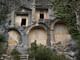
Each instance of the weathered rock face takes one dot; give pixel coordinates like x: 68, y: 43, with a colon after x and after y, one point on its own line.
x: 29, y: 22
x: 69, y: 50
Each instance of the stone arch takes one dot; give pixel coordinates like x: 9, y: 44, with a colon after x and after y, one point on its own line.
x: 60, y: 32
x: 39, y: 33
x: 14, y: 38
x: 53, y: 23
x: 10, y: 29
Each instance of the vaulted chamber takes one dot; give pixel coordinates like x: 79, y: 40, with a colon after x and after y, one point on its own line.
x: 39, y: 35
x: 13, y: 39
x: 61, y: 33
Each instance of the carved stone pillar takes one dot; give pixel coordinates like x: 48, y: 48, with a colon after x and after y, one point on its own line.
x: 13, y: 19
x: 33, y: 10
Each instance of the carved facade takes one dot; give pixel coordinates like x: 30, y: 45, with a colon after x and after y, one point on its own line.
x: 35, y: 21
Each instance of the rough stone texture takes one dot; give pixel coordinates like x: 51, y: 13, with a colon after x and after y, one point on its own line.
x: 47, y: 24
x: 23, y: 30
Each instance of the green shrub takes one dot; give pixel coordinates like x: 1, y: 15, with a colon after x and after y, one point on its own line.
x: 43, y: 53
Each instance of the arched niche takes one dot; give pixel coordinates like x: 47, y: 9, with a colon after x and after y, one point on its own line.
x: 61, y: 33
x: 13, y: 39
x: 39, y: 35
